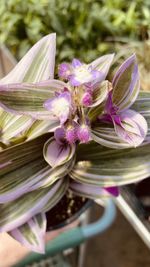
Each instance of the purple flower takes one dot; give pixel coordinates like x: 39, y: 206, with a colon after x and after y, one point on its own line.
x: 60, y: 106
x: 78, y: 73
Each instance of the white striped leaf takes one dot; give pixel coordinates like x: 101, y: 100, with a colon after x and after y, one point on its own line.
x: 126, y: 84
x: 36, y: 65
x: 27, y: 98
x: 100, y: 166
x: 57, y: 154
x: 16, y: 213
x: 23, y: 169
x: 40, y: 127
x: 32, y: 233
x: 88, y: 191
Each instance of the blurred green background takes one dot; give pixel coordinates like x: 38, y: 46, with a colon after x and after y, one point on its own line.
x: 85, y: 29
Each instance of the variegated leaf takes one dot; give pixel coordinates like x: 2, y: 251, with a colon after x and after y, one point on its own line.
x: 105, y: 167
x: 23, y: 169
x: 40, y: 127
x: 32, y: 233
x: 36, y: 65
x: 106, y: 136
x: 16, y: 213
x: 88, y: 191
x: 57, y: 154
x: 100, y: 94
x: 102, y: 64
x: 126, y: 84
x: 13, y: 126
x: 142, y: 103
x: 28, y: 99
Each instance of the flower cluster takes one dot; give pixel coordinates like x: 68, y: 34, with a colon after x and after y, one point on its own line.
x: 78, y: 133
x: 86, y: 88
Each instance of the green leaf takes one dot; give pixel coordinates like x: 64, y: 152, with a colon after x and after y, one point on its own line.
x: 100, y: 94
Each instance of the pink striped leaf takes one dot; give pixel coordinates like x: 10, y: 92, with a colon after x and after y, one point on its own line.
x: 18, y: 212
x: 126, y: 84
x: 32, y: 233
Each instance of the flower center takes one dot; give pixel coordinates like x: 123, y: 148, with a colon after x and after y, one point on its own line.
x: 60, y: 106
x: 81, y: 72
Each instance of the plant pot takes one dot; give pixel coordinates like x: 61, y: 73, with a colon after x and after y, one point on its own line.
x: 67, y: 210
x: 142, y: 192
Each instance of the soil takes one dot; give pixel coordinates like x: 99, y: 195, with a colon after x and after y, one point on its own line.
x: 66, y: 211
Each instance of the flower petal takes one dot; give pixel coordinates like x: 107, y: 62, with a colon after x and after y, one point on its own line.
x: 126, y: 84
x: 57, y: 154
x: 76, y: 63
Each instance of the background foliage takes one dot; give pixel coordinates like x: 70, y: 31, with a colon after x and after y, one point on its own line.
x: 85, y: 29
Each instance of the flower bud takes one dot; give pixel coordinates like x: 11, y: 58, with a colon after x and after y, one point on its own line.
x: 83, y: 133
x: 71, y: 135
x: 87, y: 99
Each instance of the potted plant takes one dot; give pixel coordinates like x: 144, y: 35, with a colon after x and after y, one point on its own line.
x: 79, y: 134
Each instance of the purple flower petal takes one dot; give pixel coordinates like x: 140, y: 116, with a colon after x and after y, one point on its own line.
x: 64, y: 70
x: 73, y: 81
x: 76, y: 63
